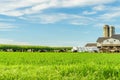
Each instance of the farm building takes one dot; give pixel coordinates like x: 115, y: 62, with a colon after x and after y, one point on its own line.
x: 110, y: 42
x: 85, y: 49
x: 91, y: 45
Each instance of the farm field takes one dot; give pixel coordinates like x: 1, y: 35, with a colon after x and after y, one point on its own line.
x: 59, y: 66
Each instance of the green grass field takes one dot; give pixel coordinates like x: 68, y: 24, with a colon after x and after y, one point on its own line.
x: 59, y: 66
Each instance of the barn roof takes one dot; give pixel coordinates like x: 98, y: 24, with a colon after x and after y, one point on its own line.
x: 101, y: 39
x: 90, y: 44
x: 116, y: 36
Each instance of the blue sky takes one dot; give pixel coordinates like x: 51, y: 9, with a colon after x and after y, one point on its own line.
x: 56, y: 22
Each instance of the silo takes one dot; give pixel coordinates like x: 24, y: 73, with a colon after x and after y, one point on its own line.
x: 106, y: 31
x: 112, y: 30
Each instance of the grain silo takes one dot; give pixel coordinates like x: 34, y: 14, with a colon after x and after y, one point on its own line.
x: 112, y: 30
x: 106, y: 31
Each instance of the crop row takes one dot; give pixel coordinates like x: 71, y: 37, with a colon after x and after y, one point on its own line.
x: 59, y: 66
x: 25, y: 48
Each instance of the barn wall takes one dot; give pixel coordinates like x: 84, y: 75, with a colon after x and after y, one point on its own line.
x: 111, y: 41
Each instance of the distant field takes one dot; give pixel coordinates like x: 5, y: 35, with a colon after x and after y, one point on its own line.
x: 59, y: 66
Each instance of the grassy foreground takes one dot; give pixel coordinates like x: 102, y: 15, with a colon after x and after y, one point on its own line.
x: 59, y: 66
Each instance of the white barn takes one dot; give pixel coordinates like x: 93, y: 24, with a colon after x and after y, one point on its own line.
x: 109, y: 44
x: 85, y: 49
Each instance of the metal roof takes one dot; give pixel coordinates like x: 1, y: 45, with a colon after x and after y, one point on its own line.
x: 101, y: 39
x: 115, y: 36
x: 90, y: 44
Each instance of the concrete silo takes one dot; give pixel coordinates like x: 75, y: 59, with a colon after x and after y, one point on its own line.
x: 112, y: 30
x: 106, y: 31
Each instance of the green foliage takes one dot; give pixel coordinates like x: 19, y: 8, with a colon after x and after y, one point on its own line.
x: 59, y: 66
x: 26, y: 48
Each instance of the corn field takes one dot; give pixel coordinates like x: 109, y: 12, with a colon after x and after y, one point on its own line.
x: 29, y: 48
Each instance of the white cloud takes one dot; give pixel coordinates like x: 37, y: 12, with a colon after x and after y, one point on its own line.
x: 18, y: 8
x: 12, y: 13
x: 22, y: 7
x: 78, y: 23
x: 31, y: 10
x: 107, y: 14
x: 10, y: 41
x: 53, y: 18
x: 45, y: 18
x: 99, y: 8
x: 110, y: 16
x: 7, y: 27
x: 71, y: 3
x: 89, y: 13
